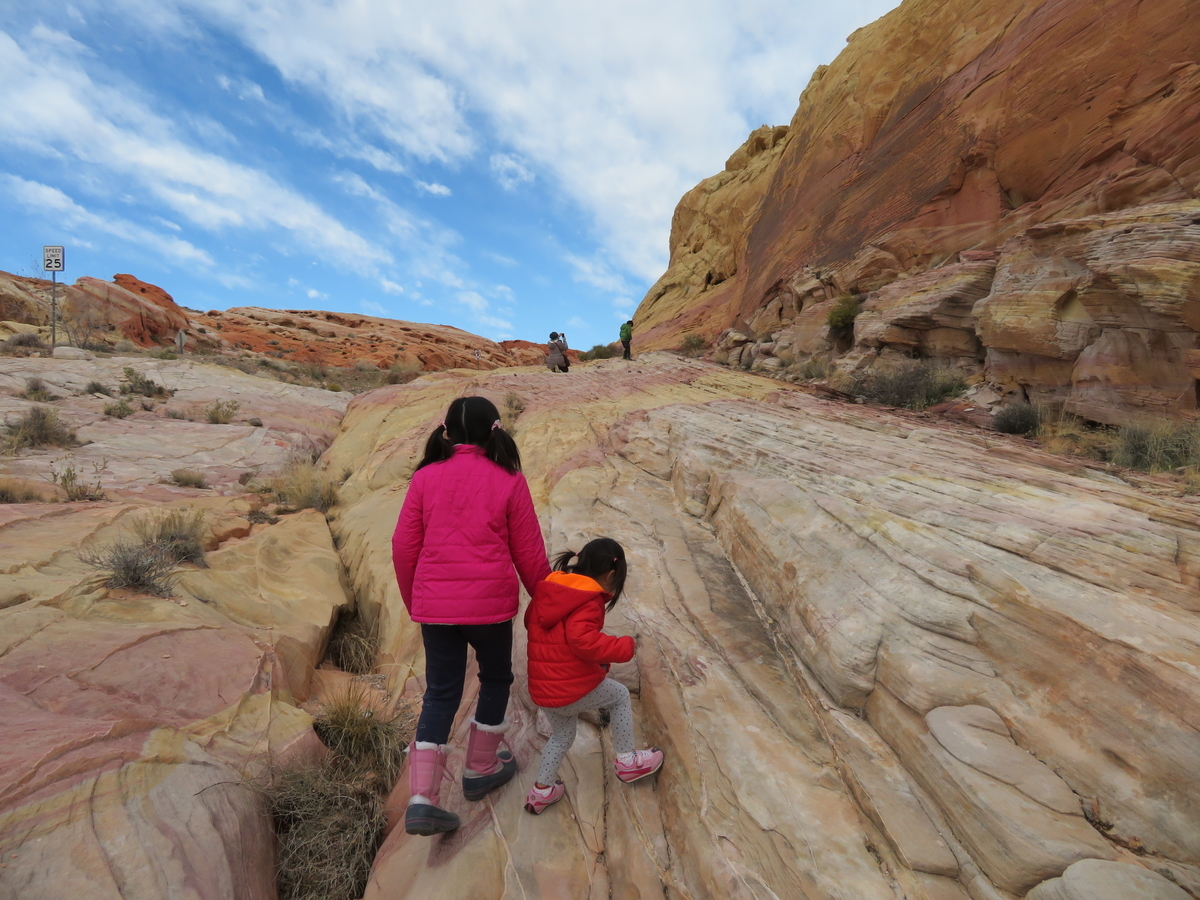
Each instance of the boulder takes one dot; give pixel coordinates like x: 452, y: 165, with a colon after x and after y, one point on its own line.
x: 1094, y: 879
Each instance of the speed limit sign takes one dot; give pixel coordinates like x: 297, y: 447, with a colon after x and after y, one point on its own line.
x: 52, y: 259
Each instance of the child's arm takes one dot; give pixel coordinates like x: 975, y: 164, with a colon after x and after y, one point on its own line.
x: 525, y: 542
x: 407, y: 541
x: 589, y: 643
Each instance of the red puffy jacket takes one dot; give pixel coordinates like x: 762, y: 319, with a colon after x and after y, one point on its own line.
x: 568, y: 653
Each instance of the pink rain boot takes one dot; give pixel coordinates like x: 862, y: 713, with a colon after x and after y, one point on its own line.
x: 638, y: 764
x: 426, y: 769
x: 487, y: 766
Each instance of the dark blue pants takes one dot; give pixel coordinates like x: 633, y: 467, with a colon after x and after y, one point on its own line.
x: 446, y: 674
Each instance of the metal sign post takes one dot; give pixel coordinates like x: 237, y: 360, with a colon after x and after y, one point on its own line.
x: 52, y: 262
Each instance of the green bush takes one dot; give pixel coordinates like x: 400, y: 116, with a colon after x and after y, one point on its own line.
x: 25, y: 339
x: 137, y: 383
x: 39, y: 427
x: 66, y: 476
x: 118, y: 410
x: 599, y: 351
x: 95, y: 387
x: 1157, y: 446
x: 1017, y: 418
x: 841, y: 318
x: 815, y: 367
x: 915, y: 385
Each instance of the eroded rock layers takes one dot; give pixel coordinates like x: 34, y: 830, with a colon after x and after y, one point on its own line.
x: 1010, y: 187
x: 884, y: 659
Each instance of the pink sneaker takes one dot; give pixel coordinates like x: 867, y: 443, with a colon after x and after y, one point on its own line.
x: 638, y: 764
x: 540, y: 798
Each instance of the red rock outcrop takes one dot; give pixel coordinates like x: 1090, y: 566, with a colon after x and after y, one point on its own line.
x: 130, y: 309
x: 945, y: 132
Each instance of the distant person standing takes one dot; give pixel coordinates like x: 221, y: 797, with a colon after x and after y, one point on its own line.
x: 556, y: 353
x: 627, y: 337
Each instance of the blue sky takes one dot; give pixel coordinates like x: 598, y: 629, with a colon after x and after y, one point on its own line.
x: 509, y: 168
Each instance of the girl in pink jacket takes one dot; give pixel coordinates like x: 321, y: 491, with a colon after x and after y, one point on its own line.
x: 466, y: 532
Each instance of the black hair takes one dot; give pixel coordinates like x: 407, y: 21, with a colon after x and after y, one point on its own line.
x: 472, y: 420
x: 597, y: 558
x: 554, y: 335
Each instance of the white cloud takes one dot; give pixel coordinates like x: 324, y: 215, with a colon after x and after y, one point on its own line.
x: 509, y: 171
x: 622, y: 106
x: 377, y: 308
x: 391, y: 287
x: 577, y: 322
x: 314, y: 294
x: 438, y: 190
x: 597, y: 273
x: 42, y: 199
x: 499, y: 258
x: 51, y: 107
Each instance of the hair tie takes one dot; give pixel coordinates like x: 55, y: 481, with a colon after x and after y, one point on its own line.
x: 443, y: 425
x: 496, y: 425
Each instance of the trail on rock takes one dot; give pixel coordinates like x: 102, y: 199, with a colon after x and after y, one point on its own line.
x: 884, y: 659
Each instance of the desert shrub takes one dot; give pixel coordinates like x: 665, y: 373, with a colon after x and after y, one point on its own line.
x: 1017, y: 418
x: 124, y: 346
x: 302, y: 485
x: 333, y: 386
x: 36, y: 390
x: 178, y: 534
x: 692, y: 345
x: 176, y: 414
x: 77, y: 488
x: 137, y: 383
x: 118, y: 410
x: 25, y: 339
x: 841, y: 317
x: 353, y: 644
x: 1191, y: 480
x: 188, y: 478
x: 12, y: 491
x: 915, y: 385
x: 162, y: 353
x: 95, y: 387
x: 599, y: 351
x: 130, y: 564
x: 261, y: 517
x: 221, y: 412
x: 1157, y: 446
x: 329, y: 816
x: 38, y: 427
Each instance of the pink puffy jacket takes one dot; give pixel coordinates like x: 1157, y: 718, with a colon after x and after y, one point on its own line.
x: 466, y: 522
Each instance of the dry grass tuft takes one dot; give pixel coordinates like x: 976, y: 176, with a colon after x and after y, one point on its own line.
x: 39, y: 427
x: 303, y: 485
x: 145, y: 559
x: 221, y: 412
x: 693, y: 345
x: 1157, y: 445
x: 353, y: 644
x: 916, y: 385
x: 119, y: 410
x: 70, y: 479
x: 13, y: 491
x: 36, y: 390
x: 188, y: 478
x: 329, y: 816
x: 1017, y: 418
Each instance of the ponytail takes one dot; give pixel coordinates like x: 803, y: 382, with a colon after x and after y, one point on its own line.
x: 597, y: 558
x: 472, y: 420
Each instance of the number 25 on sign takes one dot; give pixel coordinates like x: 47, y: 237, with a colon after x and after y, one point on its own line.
x: 52, y: 259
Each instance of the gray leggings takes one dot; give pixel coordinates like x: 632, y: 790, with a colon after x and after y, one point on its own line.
x: 610, y: 695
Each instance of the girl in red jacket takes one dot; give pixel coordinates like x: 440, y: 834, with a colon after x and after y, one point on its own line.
x: 569, y: 658
x: 467, y: 521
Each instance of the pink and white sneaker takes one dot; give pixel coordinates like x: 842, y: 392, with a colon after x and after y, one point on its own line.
x: 540, y: 798
x: 638, y: 764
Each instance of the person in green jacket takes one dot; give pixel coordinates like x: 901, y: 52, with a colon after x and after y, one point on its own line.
x: 626, y: 337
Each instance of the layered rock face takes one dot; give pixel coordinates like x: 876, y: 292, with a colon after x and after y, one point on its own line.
x: 884, y: 659
x: 130, y: 309
x: 1011, y: 187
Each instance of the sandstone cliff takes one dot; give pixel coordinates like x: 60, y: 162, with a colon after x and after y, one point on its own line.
x: 1011, y: 186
